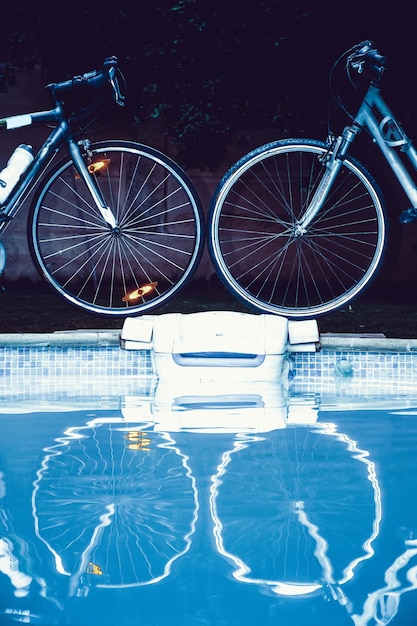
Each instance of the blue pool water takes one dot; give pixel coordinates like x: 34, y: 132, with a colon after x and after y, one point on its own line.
x: 273, y: 509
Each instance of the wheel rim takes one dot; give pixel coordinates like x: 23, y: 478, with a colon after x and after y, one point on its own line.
x: 138, y: 265
x: 255, y: 246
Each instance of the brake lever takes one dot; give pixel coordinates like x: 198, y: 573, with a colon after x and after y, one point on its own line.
x: 357, y: 59
x: 119, y: 98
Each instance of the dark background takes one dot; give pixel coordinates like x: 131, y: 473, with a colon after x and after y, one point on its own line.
x: 209, y: 73
x: 209, y: 69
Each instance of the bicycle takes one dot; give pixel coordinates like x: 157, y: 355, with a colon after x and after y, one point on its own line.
x: 298, y: 227
x: 115, y: 227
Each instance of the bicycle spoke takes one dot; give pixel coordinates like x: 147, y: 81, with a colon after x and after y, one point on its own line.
x: 157, y: 241
x: 260, y: 253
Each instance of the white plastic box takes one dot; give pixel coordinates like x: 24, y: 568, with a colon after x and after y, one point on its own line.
x: 218, y: 345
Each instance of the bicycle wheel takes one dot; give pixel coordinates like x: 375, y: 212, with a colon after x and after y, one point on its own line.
x: 139, y: 265
x: 252, y: 231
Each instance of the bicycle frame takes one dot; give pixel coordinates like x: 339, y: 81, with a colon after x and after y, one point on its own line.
x: 375, y: 115
x: 61, y: 135
x: 114, y: 227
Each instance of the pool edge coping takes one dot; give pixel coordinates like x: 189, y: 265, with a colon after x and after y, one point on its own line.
x: 111, y: 337
x: 90, y: 337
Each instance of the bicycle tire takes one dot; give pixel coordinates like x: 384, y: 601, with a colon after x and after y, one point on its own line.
x: 143, y: 263
x: 252, y: 240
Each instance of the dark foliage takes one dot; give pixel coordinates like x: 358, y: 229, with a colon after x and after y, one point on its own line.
x: 205, y: 68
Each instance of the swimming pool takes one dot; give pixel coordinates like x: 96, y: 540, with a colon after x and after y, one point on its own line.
x: 125, y: 499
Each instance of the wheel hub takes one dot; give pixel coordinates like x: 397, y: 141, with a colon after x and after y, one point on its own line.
x: 116, y: 231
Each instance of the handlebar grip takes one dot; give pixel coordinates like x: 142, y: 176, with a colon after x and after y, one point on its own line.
x: 94, y: 78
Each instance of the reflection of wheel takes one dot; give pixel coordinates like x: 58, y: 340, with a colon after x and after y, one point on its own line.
x: 114, y: 507
x: 296, y: 510
x: 141, y: 263
x: 258, y: 251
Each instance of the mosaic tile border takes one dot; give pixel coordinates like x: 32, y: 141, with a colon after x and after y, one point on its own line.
x: 78, y: 370
x: 81, y: 370
x: 366, y: 364
x: 355, y: 374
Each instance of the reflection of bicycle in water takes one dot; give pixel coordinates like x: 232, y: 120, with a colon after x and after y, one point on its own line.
x: 23, y: 592
x: 298, y: 227
x: 382, y: 605
x: 9, y: 563
x: 286, y: 516
x: 308, y: 523
x: 115, y: 506
x: 295, y: 510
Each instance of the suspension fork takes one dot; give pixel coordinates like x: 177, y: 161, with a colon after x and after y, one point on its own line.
x: 82, y: 169
x: 332, y: 162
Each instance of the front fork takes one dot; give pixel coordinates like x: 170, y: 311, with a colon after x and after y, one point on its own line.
x: 332, y: 162
x: 80, y: 164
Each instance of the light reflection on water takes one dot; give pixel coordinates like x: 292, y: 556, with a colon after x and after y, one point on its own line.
x: 225, y: 509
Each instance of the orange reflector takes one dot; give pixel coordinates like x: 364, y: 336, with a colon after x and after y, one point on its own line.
x: 98, y: 165
x: 141, y: 291
x: 94, y: 569
x: 140, y: 446
x: 134, y: 435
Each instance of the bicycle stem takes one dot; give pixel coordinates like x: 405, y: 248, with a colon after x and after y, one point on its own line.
x: 75, y: 153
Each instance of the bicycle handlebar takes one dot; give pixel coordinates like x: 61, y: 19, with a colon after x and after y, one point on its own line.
x: 109, y: 74
x: 366, y: 59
